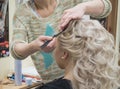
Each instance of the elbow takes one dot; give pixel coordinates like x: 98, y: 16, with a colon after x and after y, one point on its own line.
x: 14, y: 54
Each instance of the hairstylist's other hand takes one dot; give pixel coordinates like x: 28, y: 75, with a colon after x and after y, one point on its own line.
x: 50, y: 46
x: 73, y: 13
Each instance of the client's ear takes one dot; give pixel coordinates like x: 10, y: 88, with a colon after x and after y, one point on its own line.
x: 64, y: 56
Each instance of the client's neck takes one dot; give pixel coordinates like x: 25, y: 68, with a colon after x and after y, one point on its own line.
x: 69, y: 71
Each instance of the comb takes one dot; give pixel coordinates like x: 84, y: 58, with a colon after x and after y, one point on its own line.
x: 48, y: 41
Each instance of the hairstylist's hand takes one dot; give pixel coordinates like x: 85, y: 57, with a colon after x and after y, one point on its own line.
x: 73, y: 13
x: 50, y: 46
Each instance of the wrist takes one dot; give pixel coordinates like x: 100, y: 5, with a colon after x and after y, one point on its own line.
x: 33, y: 46
x: 84, y: 7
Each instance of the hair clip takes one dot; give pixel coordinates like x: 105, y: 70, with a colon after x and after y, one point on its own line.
x: 84, y: 38
x: 78, y: 36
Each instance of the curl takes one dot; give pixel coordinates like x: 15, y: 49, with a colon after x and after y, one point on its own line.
x: 91, y: 46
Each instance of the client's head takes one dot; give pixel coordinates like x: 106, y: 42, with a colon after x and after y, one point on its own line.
x: 86, y: 50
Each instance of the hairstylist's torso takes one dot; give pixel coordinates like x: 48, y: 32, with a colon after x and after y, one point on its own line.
x: 33, y: 25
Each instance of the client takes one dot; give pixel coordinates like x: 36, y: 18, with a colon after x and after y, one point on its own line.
x: 85, y: 50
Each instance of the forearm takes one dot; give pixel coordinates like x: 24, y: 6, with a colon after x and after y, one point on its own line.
x: 23, y: 50
x: 94, y: 7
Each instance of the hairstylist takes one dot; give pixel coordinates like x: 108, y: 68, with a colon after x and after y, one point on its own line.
x: 42, y: 17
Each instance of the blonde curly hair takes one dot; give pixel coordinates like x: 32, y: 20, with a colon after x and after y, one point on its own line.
x: 92, y: 49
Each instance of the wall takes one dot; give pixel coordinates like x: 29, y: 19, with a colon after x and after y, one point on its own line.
x: 7, y: 63
x: 118, y: 29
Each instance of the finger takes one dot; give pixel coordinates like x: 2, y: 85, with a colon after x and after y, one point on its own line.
x: 48, y: 49
x: 65, y: 23
x: 43, y: 38
x: 65, y: 14
x: 67, y: 20
x: 65, y: 11
x: 52, y: 43
x: 64, y: 18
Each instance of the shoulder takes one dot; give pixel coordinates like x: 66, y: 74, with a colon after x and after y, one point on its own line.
x: 57, y: 84
x: 23, y: 11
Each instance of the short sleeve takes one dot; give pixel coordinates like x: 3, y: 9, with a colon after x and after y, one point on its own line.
x: 107, y: 9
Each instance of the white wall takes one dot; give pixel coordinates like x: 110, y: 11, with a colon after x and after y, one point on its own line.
x: 7, y: 63
x: 118, y: 29
x: 119, y: 20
